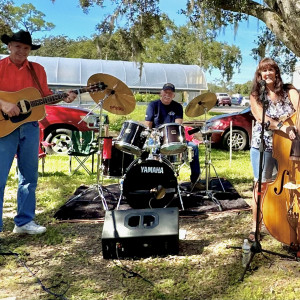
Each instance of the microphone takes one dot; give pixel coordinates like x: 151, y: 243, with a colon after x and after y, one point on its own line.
x: 262, y: 84
x: 191, y: 131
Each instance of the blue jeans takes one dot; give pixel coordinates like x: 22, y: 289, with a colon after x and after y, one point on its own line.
x: 269, y: 165
x: 23, y: 141
x: 194, y: 164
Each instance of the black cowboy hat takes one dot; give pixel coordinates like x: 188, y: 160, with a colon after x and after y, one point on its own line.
x: 21, y: 37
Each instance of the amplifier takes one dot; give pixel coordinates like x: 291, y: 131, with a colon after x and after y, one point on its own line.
x: 140, y: 233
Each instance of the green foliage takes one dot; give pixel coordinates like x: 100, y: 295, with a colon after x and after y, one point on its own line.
x: 268, y: 45
x: 62, y: 46
x: 188, y: 45
x: 145, y: 97
x: 117, y: 122
x: 28, y: 18
x: 244, y: 88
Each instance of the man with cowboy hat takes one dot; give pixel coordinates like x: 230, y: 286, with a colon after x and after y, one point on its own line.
x: 15, y: 75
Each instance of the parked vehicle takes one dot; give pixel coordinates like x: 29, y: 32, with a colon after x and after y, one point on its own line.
x: 223, y: 99
x: 238, y: 98
x: 236, y: 101
x: 241, y: 129
x: 245, y: 101
x: 58, y: 124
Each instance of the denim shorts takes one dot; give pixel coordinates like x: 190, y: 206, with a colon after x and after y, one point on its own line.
x: 269, y: 165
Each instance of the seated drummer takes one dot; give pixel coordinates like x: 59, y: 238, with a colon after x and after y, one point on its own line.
x: 166, y: 110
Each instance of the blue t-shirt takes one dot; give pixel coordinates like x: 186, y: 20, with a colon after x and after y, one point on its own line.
x: 160, y: 114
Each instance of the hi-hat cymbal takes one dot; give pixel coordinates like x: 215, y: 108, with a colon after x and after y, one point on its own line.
x: 117, y: 97
x: 201, y: 103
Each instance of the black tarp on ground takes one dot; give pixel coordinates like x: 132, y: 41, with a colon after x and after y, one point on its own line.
x: 87, y: 204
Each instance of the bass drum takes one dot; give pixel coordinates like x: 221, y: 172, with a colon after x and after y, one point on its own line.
x: 144, y: 178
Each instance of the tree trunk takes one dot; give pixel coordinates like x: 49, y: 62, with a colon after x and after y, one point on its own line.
x: 282, y: 17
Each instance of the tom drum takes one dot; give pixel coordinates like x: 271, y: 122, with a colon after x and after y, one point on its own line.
x: 172, y: 138
x: 130, y: 139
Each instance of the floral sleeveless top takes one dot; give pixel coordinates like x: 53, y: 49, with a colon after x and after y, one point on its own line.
x: 277, y: 111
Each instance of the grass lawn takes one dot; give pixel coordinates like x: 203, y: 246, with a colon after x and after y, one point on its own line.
x: 68, y: 257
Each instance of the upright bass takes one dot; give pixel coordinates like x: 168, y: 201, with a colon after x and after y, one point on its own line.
x: 281, y: 201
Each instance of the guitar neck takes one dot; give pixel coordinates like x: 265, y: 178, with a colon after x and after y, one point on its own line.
x: 55, y: 97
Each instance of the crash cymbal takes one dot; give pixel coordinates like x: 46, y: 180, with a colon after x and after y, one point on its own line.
x: 117, y: 97
x: 201, y: 103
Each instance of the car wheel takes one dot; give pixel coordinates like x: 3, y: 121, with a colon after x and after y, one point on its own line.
x: 60, y: 140
x: 239, y: 140
x: 229, y: 104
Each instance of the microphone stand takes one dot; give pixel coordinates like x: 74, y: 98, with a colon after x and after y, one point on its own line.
x: 256, y: 246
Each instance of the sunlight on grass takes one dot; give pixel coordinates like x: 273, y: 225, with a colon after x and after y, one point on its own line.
x: 204, y: 268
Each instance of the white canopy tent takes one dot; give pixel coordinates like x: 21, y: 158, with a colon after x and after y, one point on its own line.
x: 66, y: 73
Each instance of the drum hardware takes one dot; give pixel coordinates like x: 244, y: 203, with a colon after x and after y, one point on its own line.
x: 199, y: 106
x: 209, y: 194
x: 152, y: 143
x: 159, y: 192
x: 116, y: 98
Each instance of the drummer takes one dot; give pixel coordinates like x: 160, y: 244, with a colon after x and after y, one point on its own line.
x: 166, y: 110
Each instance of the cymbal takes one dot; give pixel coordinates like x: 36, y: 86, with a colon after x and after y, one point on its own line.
x: 198, y: 105
x: 117, y: 97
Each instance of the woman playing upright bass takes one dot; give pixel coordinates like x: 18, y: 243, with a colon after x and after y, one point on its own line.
x: 282, y: 101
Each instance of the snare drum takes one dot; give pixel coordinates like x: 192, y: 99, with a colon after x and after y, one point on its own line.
x: 130, y: 139
x: 172, y: 138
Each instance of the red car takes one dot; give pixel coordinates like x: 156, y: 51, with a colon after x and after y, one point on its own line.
x: 241, y: 129
x: 58, y: 124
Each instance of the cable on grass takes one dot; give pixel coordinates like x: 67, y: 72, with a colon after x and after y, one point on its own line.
x: 39, y: 281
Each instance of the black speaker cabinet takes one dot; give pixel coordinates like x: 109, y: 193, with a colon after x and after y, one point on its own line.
x: 140, y: 233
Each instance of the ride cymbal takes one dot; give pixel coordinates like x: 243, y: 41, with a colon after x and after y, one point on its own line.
x: 201, y: 103
x: 117, y: 97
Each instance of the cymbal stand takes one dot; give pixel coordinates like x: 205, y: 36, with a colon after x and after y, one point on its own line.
x: 209, y: 194
x: 99, y: 156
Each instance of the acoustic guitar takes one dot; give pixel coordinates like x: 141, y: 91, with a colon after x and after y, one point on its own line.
x: 32, y: 106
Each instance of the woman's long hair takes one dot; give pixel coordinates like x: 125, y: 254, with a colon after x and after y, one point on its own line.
x: 278, y: 84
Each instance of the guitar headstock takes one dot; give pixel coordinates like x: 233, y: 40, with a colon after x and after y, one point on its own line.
x: 96, y: 87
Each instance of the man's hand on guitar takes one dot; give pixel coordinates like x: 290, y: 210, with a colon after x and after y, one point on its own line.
x: 71, y: 97
x: 9, y: 109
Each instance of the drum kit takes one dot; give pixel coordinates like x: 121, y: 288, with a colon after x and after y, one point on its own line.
x: 147, y: 161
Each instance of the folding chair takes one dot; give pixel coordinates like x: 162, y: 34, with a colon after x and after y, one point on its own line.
x: 83, y: 146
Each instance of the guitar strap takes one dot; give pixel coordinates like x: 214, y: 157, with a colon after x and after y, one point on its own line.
x: 35, y: 78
